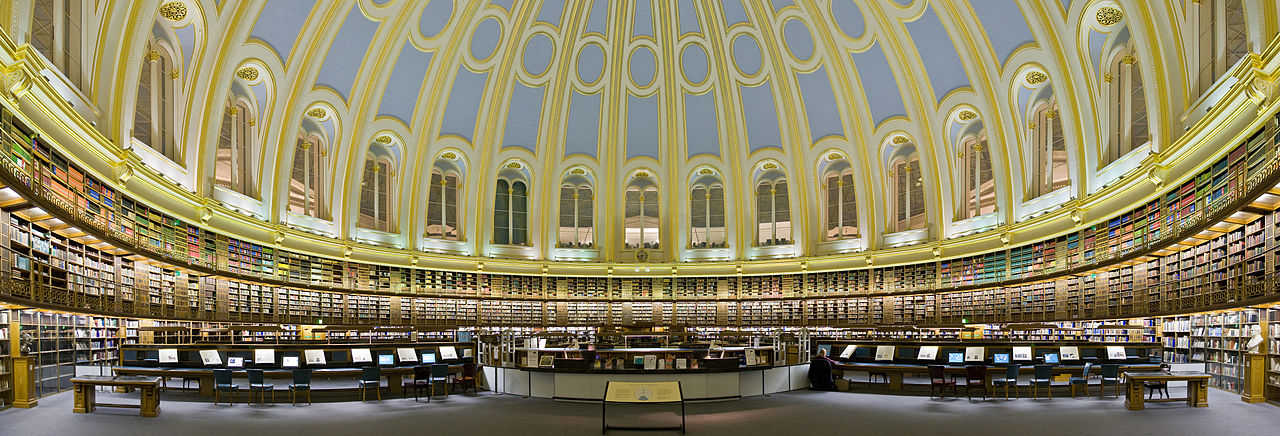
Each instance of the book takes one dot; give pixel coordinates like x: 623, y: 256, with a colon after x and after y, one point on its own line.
x: 264, y: 356
x: 928, y: 352
x: 1021, y: 354
x: 314, y: 357
x: 210, y: 357
x: 884, y: 352
x: 169, y: 355
x: 974, y: 354
x: 650, y: 361
x: 358, y: 355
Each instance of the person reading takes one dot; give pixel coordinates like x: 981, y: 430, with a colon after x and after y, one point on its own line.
x: 820, y: 367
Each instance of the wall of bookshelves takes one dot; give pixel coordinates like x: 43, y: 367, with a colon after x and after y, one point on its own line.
x: 1219, y: 340
x: 140, y: 262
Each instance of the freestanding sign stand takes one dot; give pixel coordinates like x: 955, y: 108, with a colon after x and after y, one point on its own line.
x: 665, y: 392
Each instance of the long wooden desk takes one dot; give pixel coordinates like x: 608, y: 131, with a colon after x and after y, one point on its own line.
x: 897, y: 371
x: 1197, y: 387
x: 395, y: 375
x: 86, y: 395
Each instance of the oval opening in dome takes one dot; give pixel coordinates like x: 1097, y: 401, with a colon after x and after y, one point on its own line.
x: 799, y: 40
x: 590, y: 63
x: 484, y: 40
x: 538, y: 53
x: 746, y: 54
x: 643, y: 66
x: 434, y: 17
x: 693, y: 61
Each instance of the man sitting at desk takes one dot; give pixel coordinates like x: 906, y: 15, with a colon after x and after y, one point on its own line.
x: 820, y: 372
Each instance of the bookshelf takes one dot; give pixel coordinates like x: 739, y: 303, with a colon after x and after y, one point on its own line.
x: 1272, y: 350
x: 6, y: 360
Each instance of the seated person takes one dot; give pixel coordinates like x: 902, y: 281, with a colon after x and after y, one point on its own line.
x: 820, y: 372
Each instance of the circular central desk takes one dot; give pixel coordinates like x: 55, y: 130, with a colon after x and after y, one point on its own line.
x: 698, y: 384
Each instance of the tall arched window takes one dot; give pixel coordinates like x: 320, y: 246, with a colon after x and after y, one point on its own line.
x: 706, y: 209
x: 842, y: 205
x: 375, y: 198
x: 511, y: 213
x: 1222, y: 38
x: 979, y: 184
x: 1048, y: 151
x: 305, y: 179
x: 234, y: 164
x: 154, y: 112
x: 908, y: 193
x: 1128, y: 114
x: 576, y: 208
x: 442, y: 205
x: 773, y: 210
x: 641, y: 218
x: 56, y: 34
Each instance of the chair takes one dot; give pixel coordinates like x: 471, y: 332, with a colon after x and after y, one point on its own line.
x: 259, y: 385
x: 873, y: 375
x: 222, y: 383
x: 439, y: 373
x: 938, y: 381
x: 975, y: 376
x: 421, y: 380
x: 468, y: 377
x: 1158, y: 386
x: 371, y: 378
x: 1043, y: 377
x: 301, y: 382
x: 1010, y: 379
x: 1082, y: 380
x: 1110, y: 376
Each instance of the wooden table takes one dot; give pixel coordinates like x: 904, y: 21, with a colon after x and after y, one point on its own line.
x: 394, y: 375
x: 86, y: 394
x: 1197, y: 387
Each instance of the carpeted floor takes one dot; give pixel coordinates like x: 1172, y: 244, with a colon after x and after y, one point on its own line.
x: 779, y: 414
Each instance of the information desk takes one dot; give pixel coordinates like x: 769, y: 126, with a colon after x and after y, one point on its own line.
x: 86, y: 392
x: 1197, y: 387
x: 395, y: 375
x: 703, y: 384
x: 897, y: 371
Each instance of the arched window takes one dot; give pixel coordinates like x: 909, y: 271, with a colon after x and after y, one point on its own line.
x: 576, y: 208
x: 1221, y: 39
x: 979, y: 185
x: 908, y: 194
x: 154, y: 112
x: 842, y: 205
x: 1048, y: 151
x: 234, y: 164
x: 706, y: 209
x: 511, y: 213
x: 442, y: 205
x: 56, y: 34
x: 773, y: 211
x: 305, y: 180
x: 1128, y: 105
x: 640, y: 222
x: 375, y: 198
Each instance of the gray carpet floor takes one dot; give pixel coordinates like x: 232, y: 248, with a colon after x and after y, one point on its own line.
x: 778, y: 414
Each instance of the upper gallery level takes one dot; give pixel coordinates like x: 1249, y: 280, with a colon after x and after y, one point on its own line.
x: 642, y: 137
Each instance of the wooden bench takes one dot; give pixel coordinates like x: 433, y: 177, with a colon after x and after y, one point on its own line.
x: 86, y: 392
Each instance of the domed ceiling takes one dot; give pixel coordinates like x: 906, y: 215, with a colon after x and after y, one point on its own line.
x: 652, y: 129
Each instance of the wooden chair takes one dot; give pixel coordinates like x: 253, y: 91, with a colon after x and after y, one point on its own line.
x: 1110, y: 376
x: 259, y: 385
x: 222, y: 383
x: 371, y: 378
x: 1043, y: 377
x: 439, y: 373
x: 938, y: 381
x: 1083, y: 380
x: 421, y: 380
x: 975, y: 376
x: 1010, y: 379
x: 301, y: 382
x: 468, y: 377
